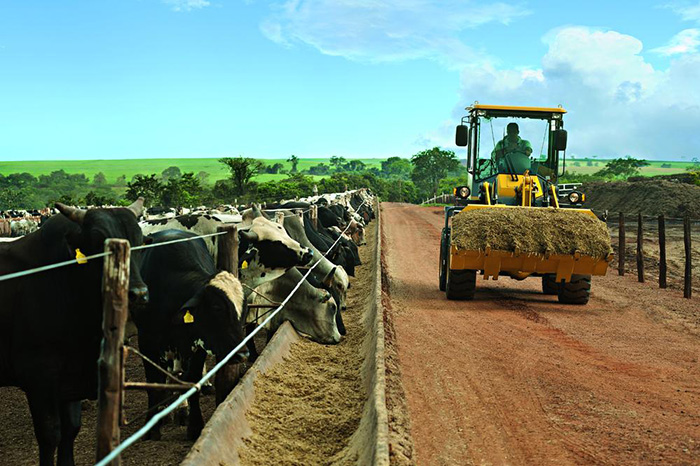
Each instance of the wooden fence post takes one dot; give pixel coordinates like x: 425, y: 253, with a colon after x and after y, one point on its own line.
x: 227, y: 259
x: 300, y: 214
x: 279, y: 217
x: 115, y: 308
x: 688, y: 281
x: 640, y: 249
x: 314, y: 217
x: 662, y: 251
x: 621, y: 245
x: 227, y: 249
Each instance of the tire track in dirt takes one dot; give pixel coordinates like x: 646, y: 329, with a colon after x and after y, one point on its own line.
x: 514, y: 377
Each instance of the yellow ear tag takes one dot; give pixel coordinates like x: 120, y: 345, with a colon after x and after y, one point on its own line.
x: 189, y: 318
x: 80, y: 257
x: 244, y: 265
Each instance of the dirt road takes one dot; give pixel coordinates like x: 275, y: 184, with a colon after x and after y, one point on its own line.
x: 514, y: 377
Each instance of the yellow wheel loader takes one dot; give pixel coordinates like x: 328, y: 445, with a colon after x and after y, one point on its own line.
x: 510, y: 219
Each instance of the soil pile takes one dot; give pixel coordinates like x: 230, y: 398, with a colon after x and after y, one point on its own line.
x: 651, y: 197
x: 531, y: 230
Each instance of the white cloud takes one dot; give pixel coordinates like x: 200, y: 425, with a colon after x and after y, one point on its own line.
x: 186, y: 5
x: 686, y: 41
x: 389, y: 30
x: 618, y: 103
x: 687, y: 11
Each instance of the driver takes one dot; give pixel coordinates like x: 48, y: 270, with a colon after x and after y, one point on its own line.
x: 511, y: 142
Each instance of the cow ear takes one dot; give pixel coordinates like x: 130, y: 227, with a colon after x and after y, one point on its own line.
x: 329, y: 277
x: 187, y: 313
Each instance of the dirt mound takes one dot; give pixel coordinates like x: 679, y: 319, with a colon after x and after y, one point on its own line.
x: 541, y: 231
x: 653, y: 197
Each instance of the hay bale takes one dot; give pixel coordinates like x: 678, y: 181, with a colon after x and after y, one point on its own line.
x: 531, y: 230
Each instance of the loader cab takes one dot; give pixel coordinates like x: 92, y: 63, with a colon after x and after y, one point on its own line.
x: 492, y: 168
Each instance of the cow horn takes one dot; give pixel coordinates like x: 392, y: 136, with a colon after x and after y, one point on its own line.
x: 137, y: 207
x: 251, y: 236
x: 76, y: 215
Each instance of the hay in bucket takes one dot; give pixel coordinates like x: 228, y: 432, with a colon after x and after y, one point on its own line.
x: 531, y: 230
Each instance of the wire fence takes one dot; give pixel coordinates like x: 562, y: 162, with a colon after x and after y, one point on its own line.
x: 198, y: 386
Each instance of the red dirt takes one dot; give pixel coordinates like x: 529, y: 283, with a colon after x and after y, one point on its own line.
x: 514, y: 377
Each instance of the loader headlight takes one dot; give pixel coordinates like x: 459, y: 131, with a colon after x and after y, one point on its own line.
x: 463, y: 192
x: 574, y: 197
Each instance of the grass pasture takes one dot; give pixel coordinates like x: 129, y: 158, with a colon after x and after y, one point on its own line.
x: 130, y: 167
x: 653, y: 169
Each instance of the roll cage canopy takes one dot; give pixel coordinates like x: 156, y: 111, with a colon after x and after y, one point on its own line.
x: 468, y: 134
x: 504, y: 111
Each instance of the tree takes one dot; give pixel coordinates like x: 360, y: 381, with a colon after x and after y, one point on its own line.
x: 120, y: 181
x: 320, y: 169
x: 695, y: 166
x: 337, y: 162
x: 294, y: 161
x: 242, y: 169
x: 147, y: 186
x: 622, y: 168
x: 171, y: 173
x: 396, y: 167
x: 203, y: 177
x: 431, y: 165
x: 354, y: 166
x: 183, y: 191
x: 99, y: 179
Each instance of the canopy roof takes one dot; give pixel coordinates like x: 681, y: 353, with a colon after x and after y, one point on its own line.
x: 521, y: 112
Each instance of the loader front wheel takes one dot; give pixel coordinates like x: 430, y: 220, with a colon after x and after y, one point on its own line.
x: 461, y: 284
x: 577, y: 291
x: 549, y: 284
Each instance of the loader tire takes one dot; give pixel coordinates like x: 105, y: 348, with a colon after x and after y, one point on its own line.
x: 444, y: 251
x: 461, y: 284
x: 577, y: 291
x: 549, y: 284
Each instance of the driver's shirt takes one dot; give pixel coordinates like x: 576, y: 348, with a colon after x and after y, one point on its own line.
x: 518, y: 146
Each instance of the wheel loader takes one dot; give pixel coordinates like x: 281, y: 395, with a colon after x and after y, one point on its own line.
x: 510, y: 219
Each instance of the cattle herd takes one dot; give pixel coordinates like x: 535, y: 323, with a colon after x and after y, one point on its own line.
x: 181, y: 306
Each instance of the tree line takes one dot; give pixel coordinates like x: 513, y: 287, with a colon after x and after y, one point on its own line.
x: 398, y: 179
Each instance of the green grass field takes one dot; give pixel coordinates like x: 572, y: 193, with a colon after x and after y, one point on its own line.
x: 130, y: 167
x: 652, y: 170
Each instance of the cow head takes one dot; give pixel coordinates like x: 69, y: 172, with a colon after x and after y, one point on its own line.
x: 217, y: 311
x: 97, y: 225
x: 275, y: 249
x: 337, y: 282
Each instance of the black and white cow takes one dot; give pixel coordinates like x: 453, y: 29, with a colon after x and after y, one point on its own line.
x: 193, y: 309
x: 311, y: 311
x: 52, y: 321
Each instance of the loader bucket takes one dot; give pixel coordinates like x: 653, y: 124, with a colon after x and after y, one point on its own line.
x: 522, y: 241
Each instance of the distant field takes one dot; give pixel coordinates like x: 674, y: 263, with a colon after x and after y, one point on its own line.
x: 653, y: 169
x: 130, y: 167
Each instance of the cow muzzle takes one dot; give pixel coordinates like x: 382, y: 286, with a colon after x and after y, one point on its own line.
x: 138, y: 296
x: 241, y: 356
x: 307, y: 255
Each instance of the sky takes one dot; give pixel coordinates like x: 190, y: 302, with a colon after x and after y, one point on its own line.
x: 112, y: 79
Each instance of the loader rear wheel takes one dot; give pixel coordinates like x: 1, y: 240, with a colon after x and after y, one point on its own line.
x: 444, y: 251
x: 577, y: 291
x: 549, y: 284
x: 461, y: 284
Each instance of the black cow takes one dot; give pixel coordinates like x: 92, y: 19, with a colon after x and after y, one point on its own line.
x: 51, y: 321
x: 193, y: 308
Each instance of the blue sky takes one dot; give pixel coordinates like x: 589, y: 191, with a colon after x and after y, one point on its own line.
x: 356, y: 78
